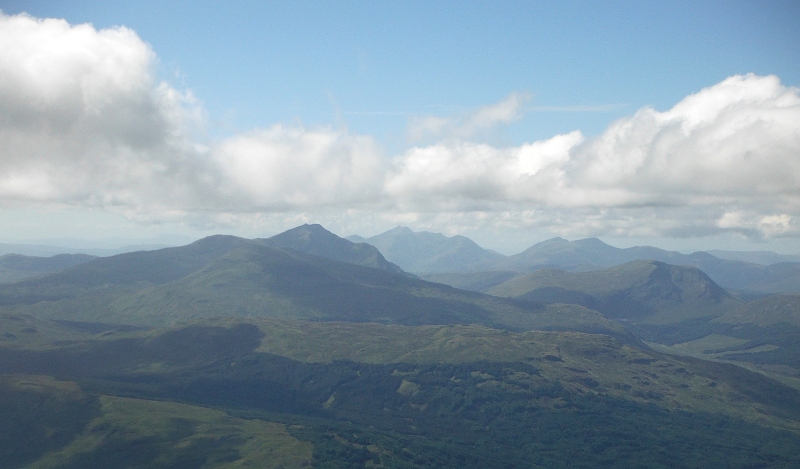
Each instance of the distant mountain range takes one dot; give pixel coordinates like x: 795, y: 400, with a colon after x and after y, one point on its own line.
x: 426, y: 252
x: 459, y: 262
x: 230, y: 276
x: 310, y: 273
x: 47, y: 250
x: 15, y: 267
x: 756, y: 257
x: 308, y: 350
x: 639, y: 291
x: 593, y: 254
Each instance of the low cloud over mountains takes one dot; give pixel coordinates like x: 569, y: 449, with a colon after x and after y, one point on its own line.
x: 85, y: 121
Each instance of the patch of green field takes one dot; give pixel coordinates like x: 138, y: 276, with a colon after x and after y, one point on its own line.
x: 47, y: 423
x: 141, y: 433
x: 24, y: 331
x: 703, y: 346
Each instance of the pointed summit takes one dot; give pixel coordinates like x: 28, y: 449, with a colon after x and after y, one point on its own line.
x: 316, y: 240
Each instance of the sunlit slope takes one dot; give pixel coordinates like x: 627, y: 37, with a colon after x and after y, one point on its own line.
x: 158, y: 267
x: 397, y: 396
x: 640, y: 291
x: 134, y: 269
x: 764, y: 333
x: 578, y: 362
x: 25, y: 331
x: 72, y: 429
x: 581, y: 362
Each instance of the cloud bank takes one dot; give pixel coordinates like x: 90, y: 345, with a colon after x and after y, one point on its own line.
x: 84, y: 122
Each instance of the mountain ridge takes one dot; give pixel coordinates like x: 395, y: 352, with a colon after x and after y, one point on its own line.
x: 238, y: 277
x: 426, y: 252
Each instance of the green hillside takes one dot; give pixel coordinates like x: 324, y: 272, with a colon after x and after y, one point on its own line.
x: 297, y: 351
x: 764, y: 333
x: 73, y: 429
x: 139, y: 268
x: 281, y: 393
x: 262, y: 281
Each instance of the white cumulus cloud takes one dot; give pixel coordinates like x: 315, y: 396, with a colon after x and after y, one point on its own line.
x: 731, y: 148
x: 85, y: 122
x: 284, y: 168
x: 82, y: 119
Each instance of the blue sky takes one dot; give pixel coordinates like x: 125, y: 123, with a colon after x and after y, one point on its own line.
x: 405, y: 84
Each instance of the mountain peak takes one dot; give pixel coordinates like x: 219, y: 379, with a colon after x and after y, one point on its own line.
x: 400, y: 230
x: 306, y: 236
x: 592, y: 242
x: 426, y: 252
x: 549, y: 242
x: 315, y: 239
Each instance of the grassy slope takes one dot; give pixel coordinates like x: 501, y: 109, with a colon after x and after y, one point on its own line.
x: 583, y: 362
x: 131, y: 433
x: 763, y: 334
x: 123, y: 271
x: 679, y: 310
x: 259, y: 281
x: 416, y: 386
x: 24, y: 331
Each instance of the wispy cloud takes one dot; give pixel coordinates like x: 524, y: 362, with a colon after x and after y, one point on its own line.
x: 468, y: 124
x: 578, y: 108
